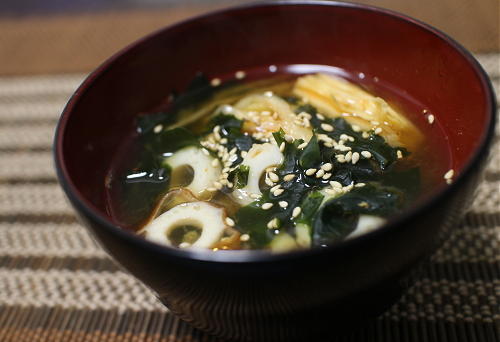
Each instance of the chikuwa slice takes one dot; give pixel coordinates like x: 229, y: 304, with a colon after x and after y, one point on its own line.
x: 204, y: 171
x: 258, y: 159
x: 202, y: 219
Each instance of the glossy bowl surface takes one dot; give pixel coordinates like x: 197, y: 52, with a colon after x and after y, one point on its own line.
x: 257, y: 296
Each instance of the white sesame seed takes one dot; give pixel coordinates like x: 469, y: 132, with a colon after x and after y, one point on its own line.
x: 365, y: 135
x: 355, y: 157
x: 366, y: 154
x: 449, y: 181
x: 449, y: 174
x: 327, y: 176
x: 340, y: 158
x: 229, y: 221
x: 327, y: 166
x: 276, y: 116
x: 327, y: 127
x: 289, y: 177
x: 320, y: 116
x: 215, y: 82
x: 233, y: 150
x: 269, y: 182
x: 344, y: 137
x: 244, y: 154
x: 325, y: 138
x: 223, y: 141
x: 267, y: 206
x: 356, y: 128
x: 378, y: 130
x: 215, y: 162
x: 244, y: 237
x: 359, y: 185
x: 363, y: 204
x: 335, y: 184
x: 240, y: 74
x: 333, y: 192
x: 283, y: 204
x: 430, y: 118
x: 205, y: 151
x: 273, y: 68
x: 230, y: 185
x: 399, y: 154
x: 278, y: 192
x: 273, y: 223
x: 296, y: 212
x: 274, y: 177
x: 268, y: 94
x: 348, y: 156
x: 255, y: 196
x: 310, y: 172
x: 276, y: 187
x: 158, y: 128
x: 288, y: 138
x: 302, y: 146
x: 320, y: 173
x: 282, y: 146
x: 184, y: 245
x: 328, y: 144
x: 218, y: 185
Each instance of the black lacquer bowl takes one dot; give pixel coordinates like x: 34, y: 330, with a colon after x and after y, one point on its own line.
x: 251, y: 295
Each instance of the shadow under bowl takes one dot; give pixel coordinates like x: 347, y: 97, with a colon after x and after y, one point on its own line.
x: 252, y: 295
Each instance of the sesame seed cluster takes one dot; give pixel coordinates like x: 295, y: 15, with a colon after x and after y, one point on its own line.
x: 214, y: 143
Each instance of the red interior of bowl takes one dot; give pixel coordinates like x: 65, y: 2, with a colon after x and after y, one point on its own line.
x: 397, y: 50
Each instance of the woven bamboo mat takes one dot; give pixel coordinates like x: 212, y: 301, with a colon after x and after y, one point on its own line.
x: 56, y: 284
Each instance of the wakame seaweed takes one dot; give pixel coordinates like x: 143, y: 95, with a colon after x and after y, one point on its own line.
x: 338, y: 217
x: 197, y: 92
x: 154, y: 177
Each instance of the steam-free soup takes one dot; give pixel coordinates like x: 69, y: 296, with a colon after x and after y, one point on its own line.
x: 282, y: 163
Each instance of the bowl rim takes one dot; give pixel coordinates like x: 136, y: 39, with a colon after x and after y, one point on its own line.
x: 264, y: 256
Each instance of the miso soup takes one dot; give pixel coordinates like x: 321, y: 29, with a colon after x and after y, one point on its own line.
x: 280, y: 163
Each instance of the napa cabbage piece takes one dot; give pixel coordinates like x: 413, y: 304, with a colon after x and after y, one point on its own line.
x: 269, y: 123
x: 336, y: 97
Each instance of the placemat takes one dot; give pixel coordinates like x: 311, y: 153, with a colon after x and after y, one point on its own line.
x: 57, y: 284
